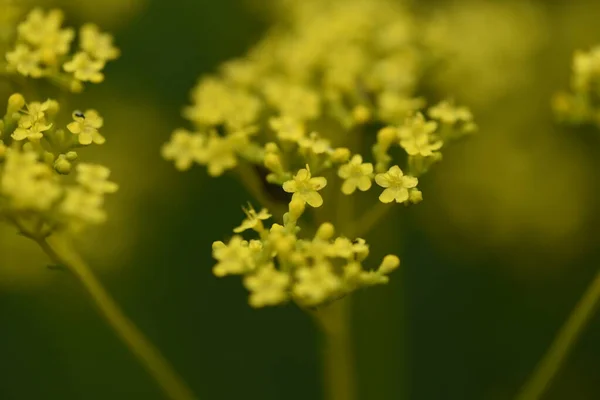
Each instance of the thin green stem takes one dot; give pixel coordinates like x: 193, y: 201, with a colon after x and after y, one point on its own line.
x: 370, y: 219
x: 254, y: 185
x: 338, y: 357
x: 562, y: 345
x: 172, y: 385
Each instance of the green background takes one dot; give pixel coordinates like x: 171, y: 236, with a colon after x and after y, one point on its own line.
x: 448, y: 326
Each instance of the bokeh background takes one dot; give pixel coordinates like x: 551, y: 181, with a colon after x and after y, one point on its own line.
x: 493, y: 261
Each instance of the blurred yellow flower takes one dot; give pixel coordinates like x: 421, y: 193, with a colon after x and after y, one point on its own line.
x: 356, y: 174
x: 84, y: 68
x: 267, y: 287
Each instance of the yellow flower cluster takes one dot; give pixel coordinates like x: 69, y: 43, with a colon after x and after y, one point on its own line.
x: 323, y: 106
x: 43, y: 48
x: 581, y: 104
x: 279, y: 265
x: 36, y: 158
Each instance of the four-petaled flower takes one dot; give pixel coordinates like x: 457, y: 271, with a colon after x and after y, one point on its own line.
x: 305, y: 188
x: 253, y: 219
x: 86, y: 125
x: 94, y: 178
x: 25, y: 61
x: 184, y: 148
x: 396, y: 185
x: 356, y: 174
x: 416, y: 136
x: 234, y: 258
x: 84, y: 68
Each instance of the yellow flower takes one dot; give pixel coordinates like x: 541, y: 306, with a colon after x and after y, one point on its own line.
x: 86, y: 126
x: 94, y: 178
x: 416, y: 136
x: 305, y: 188
x: 268, y: 287
x: 84, y: 206
x: 219, y: 154
x: 25, y: 61
x: 39, y: 25
x: 287, y: 128
x: 314, y: 143
x: 448, y: 113
x: 356, y: 174
x: 254, y: 219
x: 28, y: 183
x: 184, y: 148
x: 233, y: 258
x: 84, y: 68
x: 98, y: 45
x: 33, y: 132
x: 396, y: 185
x: 317, y: 283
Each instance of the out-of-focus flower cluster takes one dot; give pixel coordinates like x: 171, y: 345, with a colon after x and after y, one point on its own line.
x: 581, y: 104
x: 280, y: 265
x: 43, y: 48
x: 43, y: 185
x: 327, y: 98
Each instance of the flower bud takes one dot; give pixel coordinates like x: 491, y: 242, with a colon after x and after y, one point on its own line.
x: 340, y: 155
x: 15, y: 103
x: 415, y: 196
x: 62, y: 165
x: 296, y: 209
x: 71, y: 155
x: 389, y: 264
x: 325, y: 231
x: 361, y: 114
x: 273, y: 162
x: 387, y: 135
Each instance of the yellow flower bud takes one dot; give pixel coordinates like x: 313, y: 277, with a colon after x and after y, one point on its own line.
x: 415, y: 196
x: 325, y: 231
x: 389, y: 264
x: 62, y: 165
x: 71, y: 155
x: 361, y: 114
x: 340, y: 155
x: 15, y: 103
x: 273, y: 162
x: 297, y: 207
x: 387, y: 135
x: 271, y: 148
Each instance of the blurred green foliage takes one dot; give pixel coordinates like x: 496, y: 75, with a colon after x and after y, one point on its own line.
x: 467, y: 317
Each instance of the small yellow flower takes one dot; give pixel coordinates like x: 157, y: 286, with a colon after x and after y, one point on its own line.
x: 314, y: 144
x: 448, y: 113
x: 86, y: 125
x: 268, y: 287
x: 94, y: 178
x: 233, y: 258
x: 27, y: 183
x: 254, y: 219
x: 33, y: 132
x: 316, y: 284
x: 184, y: 148
x: 416, y: 136
x: 84, y: 206
x: 84, y: 68
x: 219, y: 154
x: 25, y: 61
x: 39, y: 25
x: 396, y: 185
x: 97, y: 44
x: 305, y: 188
x: 287, y: 128
x: 356, y: 174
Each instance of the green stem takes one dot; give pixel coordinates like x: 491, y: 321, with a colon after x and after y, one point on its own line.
x: 564, y: 341
x: 172, y: 385
x: 338, y: 359
x: 254, y: 185
x: 370, y: 219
